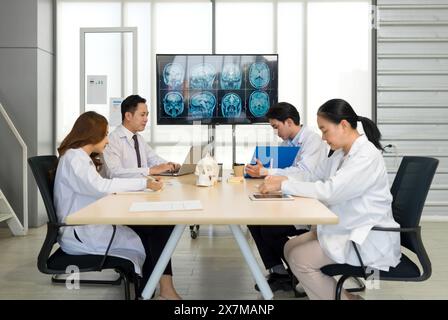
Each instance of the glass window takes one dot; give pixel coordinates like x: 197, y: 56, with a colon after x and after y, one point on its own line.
x: 73, y: 15
x: 324, y: 52
x: 339, y: 55
x: 244, y: 27
x: 180, y: 27
x: 290, y: 50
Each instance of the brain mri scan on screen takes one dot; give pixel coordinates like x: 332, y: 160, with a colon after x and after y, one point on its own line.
x: 215, y: 89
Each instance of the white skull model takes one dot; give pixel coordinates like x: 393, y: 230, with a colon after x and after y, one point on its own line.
x: 207, y: 171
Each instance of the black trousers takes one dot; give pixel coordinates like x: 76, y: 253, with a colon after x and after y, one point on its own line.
x: 270, y: 241
x: 154, y: 239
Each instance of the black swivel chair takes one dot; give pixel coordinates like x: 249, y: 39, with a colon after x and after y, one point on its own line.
x: 409, y: 191
x: 57, y: 263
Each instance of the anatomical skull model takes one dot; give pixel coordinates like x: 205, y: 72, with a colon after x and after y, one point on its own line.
x: 207, y: 171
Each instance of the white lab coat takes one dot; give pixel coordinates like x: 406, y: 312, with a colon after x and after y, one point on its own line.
x: 356, y: 189
x: 78, y: 184
x: 120, y: 158
x: 312, y: 149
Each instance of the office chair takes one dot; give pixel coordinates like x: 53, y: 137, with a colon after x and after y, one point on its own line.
x: 57, y: 263
x: 409, y: 191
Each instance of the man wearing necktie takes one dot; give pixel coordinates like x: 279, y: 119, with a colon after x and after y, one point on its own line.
x: 137, y: 150
x: 128, y: 156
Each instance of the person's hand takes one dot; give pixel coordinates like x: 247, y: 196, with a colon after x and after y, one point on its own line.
x: 272, y: 184
x: 257, y: 170
x: 176, y: 166
x: 154, y: 183
x: 276, y: 178
x: 164, y: 167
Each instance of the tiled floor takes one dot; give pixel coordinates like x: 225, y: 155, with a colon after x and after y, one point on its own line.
x: 209, y: 267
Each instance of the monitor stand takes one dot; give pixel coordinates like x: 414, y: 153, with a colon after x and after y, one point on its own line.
x: 233, y: 144
x: 212, y: 137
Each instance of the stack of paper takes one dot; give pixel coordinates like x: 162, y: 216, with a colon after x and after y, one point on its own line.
x: 166, y: 206
x: 235, y: 179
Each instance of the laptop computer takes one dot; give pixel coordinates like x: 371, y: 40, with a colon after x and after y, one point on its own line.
x: 186, y: 168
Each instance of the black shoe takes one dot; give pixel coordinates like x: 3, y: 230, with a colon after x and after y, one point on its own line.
x: 297, y: 293
x: 278, y: 282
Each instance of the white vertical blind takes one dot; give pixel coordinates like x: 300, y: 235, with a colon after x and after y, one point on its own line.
x: 413, y: 88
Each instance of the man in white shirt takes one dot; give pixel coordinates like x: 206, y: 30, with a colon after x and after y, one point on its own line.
x: 128, y: 155
x: 285, y: 119
x: 270, y: 240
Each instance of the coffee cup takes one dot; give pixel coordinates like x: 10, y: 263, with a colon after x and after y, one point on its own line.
x: 238, y: 169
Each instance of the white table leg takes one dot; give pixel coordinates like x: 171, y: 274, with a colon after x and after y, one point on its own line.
x: 161, y: 264
x: 253, y: 265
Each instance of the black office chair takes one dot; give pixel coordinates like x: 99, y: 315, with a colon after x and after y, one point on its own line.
x: 409, y: 191
x: 57, y: 263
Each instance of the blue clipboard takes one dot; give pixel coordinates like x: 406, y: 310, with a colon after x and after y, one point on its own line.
x: 281, y: 157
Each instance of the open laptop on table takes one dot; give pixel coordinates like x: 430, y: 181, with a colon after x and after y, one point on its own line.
x: 186, y: 168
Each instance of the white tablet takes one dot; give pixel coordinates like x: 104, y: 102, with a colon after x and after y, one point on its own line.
x: 270, y: 197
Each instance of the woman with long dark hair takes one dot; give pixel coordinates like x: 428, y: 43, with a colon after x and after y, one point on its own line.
x: 352, y: 183
x: 78, y: 184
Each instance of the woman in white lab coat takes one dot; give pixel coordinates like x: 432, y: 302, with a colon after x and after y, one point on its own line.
x: 353, y: 183
x: 78, y: 184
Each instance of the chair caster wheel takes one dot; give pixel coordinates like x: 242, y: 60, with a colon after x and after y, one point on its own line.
x: 194, y: 231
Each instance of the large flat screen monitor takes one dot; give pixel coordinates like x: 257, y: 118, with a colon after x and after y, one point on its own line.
x: 215, y: 89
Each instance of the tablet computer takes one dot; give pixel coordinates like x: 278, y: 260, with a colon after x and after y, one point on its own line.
x: 270, y: 197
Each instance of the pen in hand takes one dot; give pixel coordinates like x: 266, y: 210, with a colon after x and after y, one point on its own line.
x: 154, y: 183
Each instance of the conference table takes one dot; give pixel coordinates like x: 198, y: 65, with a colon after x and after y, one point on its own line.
x: 224, y: 203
